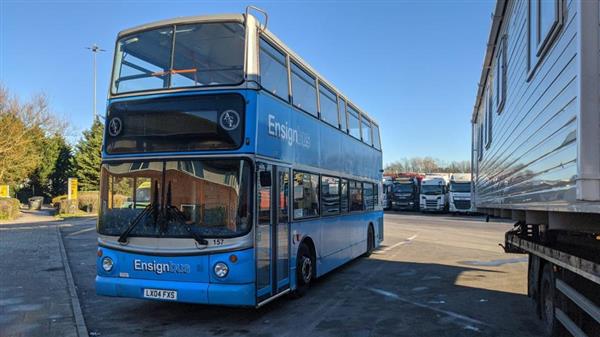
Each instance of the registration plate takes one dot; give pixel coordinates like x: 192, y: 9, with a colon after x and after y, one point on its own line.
x: 160, y: 294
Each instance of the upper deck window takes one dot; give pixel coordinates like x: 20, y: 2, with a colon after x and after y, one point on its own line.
x: 353, y: 123
x: 376, y: 140
x: 329, y: 107
x: 342, y: 114
x: 273, y: 70
x: 304, y: 91
x: 193, y: 55
x: 366, y: 132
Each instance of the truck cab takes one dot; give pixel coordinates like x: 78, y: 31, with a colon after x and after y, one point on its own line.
x: 460, y: 193
x: 386, y: 200
x: 405, y: 194
x: 434, y: 194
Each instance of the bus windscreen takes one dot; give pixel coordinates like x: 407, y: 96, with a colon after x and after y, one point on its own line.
x: 212, y: 197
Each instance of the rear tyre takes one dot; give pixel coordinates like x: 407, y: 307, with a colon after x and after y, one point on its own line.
x: 305, y: 271
x: 548, y: 301
x: 370, y: 242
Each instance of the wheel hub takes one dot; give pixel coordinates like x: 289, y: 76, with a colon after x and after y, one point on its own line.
x: 306, y: 269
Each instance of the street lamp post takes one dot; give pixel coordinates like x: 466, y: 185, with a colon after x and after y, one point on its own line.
x: 95, y: 49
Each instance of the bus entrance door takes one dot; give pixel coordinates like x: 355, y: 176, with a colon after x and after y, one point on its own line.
x: 272, y: 231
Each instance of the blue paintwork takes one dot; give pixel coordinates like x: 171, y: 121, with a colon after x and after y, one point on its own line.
x: 200, y: 285
x: 320, y: 145
x: 339, y: 239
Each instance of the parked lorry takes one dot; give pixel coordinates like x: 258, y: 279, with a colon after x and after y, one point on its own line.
x: 459, y: 194
x: 387, y: 193
x: 434, y: 194
x: 405, y: 194
x: 536, y: 152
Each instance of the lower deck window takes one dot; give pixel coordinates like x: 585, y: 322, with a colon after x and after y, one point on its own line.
x: 306, y: 195
x: 356, y: 196
x: 330, y: 195
x: 369, y: 196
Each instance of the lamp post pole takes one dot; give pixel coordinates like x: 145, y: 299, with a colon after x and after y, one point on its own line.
x: 95, y: 49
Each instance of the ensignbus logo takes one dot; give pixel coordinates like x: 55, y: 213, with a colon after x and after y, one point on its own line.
x: 161, y: 267
x: 288, y: 134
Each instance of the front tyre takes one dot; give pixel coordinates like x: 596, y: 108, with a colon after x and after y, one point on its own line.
x: 305, y: 266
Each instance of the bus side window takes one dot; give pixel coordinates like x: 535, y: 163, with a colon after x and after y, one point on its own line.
x: 330, y: 195
x: 273, y: 70
x: 342, y: 115
x: 356, y: 196
x: 369, y: 197
x: 304, y: 90
x: 376, y: 140
x: 344, y: 196
x: 306, y: 195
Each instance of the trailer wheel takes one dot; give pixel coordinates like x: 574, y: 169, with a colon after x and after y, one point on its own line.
x: 548, y: 301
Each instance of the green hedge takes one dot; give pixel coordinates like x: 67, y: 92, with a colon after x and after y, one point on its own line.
x: 9, y: 208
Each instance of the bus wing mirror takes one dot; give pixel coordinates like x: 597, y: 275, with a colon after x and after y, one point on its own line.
x: 265, y: 178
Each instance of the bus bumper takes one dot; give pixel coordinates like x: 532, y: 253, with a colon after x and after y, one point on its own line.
x: 189, y: 292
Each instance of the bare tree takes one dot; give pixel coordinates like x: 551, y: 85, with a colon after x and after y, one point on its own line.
x: 427, y: 165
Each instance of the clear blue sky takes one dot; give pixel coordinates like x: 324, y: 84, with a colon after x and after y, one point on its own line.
x: 412, y: 65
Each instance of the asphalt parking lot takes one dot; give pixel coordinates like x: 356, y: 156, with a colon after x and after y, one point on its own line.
x: 436, y: 275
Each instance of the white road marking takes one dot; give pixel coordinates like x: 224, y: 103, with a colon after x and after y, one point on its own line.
x: 452, y: 314
x: 403, y: 242
x: 82, y: 231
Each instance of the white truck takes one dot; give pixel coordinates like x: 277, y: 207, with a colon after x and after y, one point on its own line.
x: 536, y: 152
x: 460, y: 193
x: 434, y: 194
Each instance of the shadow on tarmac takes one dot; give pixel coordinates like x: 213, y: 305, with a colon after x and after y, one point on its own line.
x: 366, y: 297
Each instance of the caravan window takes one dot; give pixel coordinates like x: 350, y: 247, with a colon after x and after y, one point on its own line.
x: 488, y: 118
x: 501, y: 75
x: 545, y: 20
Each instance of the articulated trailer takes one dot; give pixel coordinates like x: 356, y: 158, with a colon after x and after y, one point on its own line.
x: 536, y: 152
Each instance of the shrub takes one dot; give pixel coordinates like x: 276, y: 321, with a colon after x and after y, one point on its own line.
x: 119, y: 200
x: 89, y: 201
x: 9, y: 208
x: 56, y: 200
x: 67, y: 206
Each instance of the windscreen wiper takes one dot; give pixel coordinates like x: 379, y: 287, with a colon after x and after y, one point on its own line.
x: 177, y: 215
x: 149, y: 209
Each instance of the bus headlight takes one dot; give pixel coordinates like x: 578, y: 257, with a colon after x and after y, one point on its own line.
x: 107, y: 264
x: 221, y: 269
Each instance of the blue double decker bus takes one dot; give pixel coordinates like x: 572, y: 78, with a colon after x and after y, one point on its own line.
x: 232, y: 173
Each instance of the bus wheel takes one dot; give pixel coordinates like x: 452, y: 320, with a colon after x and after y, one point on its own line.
x: 370, y: 242
x: 547, y: 301
x: 304, y: 270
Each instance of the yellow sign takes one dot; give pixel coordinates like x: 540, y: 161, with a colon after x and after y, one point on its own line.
x: 72, y: 189
x: 4, y: 191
